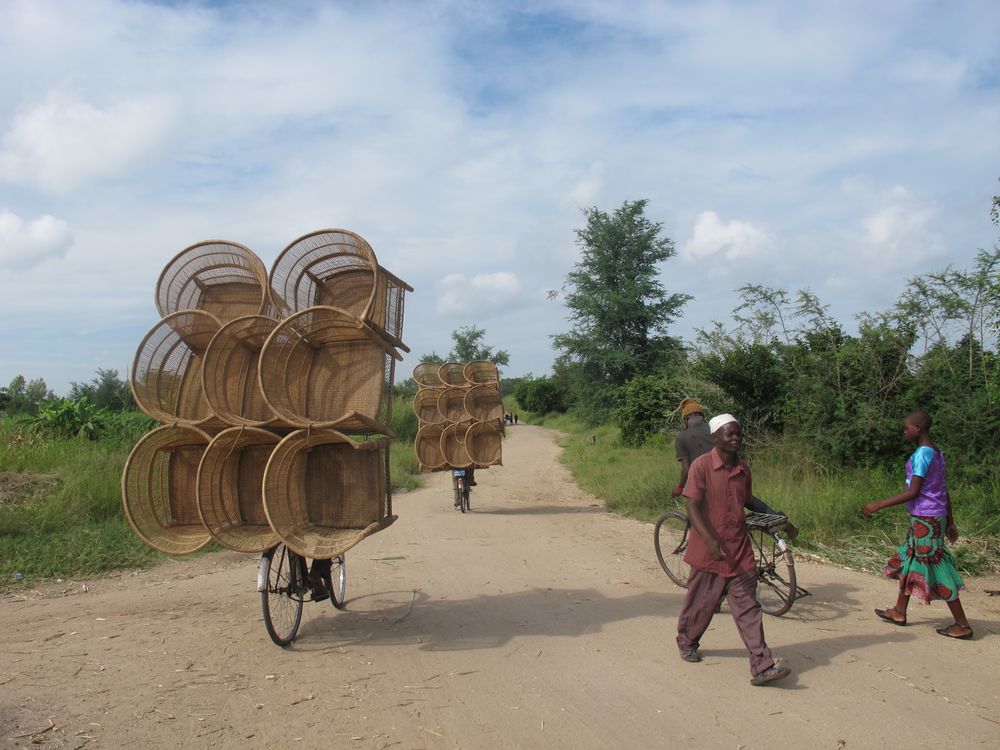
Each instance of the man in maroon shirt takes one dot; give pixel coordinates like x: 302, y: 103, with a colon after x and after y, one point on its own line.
x: 720, y: 554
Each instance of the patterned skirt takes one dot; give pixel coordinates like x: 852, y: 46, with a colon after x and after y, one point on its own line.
x: 923, y: 565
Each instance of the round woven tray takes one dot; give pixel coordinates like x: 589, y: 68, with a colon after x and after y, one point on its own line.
x: 482, y: 402
x: 453, y: 446
x: 426, y: 375
x: 451, y: 405
x: 159, y: 489
x: 166, y: 373
x: 229, y: 373
x: 324, y: 493
x: 483, y: 444
x: 453, y: 373
x: 230, y: 478
x: 425, y: 406
x: 323, y: 367
x: 427, y: 445
x: 223, y: 278
x: 482, y: 372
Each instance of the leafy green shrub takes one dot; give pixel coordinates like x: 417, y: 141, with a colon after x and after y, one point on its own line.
x: 643, y: 408
x: 67, y: 419
x: 540, y: 395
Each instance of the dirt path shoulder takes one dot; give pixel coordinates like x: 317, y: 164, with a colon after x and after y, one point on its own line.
x: 538, y: 620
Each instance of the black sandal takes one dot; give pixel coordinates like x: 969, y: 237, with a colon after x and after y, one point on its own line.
x: 884, y: 615
x: 946, y: 632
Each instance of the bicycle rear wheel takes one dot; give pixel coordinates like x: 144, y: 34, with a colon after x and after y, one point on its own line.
x: 775, y: 571
x: 465, y: 497
x: 336, y: 581
x: 670, y: 537
x: 282, y: 594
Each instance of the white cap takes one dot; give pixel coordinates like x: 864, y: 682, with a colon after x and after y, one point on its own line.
x: 717, y: 421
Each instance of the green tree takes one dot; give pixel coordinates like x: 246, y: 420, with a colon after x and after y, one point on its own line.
x: 106, y: 391
x: 644, y: 408
x: 433, y: 358
x: 539, y: 395
x: 470, y: 345
x: 25, y: 396
x: 617, y: 306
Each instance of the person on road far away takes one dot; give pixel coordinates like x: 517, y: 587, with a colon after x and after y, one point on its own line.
x: 720, y: 553
x: 923, y: 564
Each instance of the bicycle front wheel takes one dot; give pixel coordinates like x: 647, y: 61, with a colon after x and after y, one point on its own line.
x: 776, y: 587
x: 336, y: 581
x: 670, y: 537
x: 282, y: 594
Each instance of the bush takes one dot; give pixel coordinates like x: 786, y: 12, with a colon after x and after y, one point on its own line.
x: 644, y: 406
x: 540, y: 395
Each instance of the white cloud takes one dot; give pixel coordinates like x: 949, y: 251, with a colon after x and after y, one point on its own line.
x: 734, y: 239
x: 24, y: 245
x: 64, y: 143
x: 480, y: 294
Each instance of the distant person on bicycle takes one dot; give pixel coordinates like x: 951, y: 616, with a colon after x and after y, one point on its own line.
x: 720, y: 552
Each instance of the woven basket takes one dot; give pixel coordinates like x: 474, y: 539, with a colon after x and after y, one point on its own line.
x: 451, y: 405
x: 338, y: 268
x: 483, y: 444
x: 427, y: 445
x: 482, y: 402
x: 323, y: 367
x: 166, y: 373
x: 230, y: 478
x: 219, y: 277
x: 229, y: 374
x: 453, y: 373
x: 453, y: 446
x: 425, y: 406
x: 426, y: 375
x: 159, y: 489
x: 324, y: 493
x: 482, y: 372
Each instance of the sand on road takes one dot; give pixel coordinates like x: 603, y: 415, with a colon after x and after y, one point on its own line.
x: 538, y: 620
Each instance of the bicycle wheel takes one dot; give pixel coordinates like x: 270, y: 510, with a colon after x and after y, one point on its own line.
x: 775, y: 572
x: 338, y: 574
x: 282, y: 594
x: 465, y: 498
x: 670, y: 537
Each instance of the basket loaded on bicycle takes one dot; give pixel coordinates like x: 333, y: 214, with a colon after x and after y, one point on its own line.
x: 275, y: 394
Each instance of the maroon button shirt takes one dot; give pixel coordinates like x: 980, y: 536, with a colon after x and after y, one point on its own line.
x: 722, y: 492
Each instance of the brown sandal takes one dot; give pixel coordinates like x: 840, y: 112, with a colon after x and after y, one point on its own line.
x: 883, y: 614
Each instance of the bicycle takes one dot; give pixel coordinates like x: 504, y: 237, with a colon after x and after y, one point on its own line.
x: 283, y: 583
x: 462, y: 489
x: 777, y: 589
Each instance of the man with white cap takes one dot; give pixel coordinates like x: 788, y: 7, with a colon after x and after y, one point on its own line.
x: 720, y: 553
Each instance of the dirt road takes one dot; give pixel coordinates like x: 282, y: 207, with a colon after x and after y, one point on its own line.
x: 536, y: 621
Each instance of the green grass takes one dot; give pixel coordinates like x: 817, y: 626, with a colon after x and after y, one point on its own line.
x: 824, y: 503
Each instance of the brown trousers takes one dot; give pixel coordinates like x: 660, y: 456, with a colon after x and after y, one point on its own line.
x: 704, y: 594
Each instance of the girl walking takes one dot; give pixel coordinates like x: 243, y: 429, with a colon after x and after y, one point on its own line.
x: 923, y: 564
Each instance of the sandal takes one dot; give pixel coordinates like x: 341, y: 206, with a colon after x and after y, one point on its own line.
x: 883, y: 614
x: 779, y: 671
x: 966, y: 635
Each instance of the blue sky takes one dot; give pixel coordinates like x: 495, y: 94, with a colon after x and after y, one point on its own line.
x: 840, y: 147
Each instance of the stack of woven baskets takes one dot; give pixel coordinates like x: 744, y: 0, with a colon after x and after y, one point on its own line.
x: 460, y: 414
x: 274, y: 394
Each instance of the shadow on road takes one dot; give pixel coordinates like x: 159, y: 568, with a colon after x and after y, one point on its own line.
x: 539, y: 510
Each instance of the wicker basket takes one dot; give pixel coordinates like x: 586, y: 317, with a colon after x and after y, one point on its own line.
x: 159, y: 489
x: 451, y: 405
x: 453, y: 446
x: 427, y: 446
x: 325, y: 368
x: 230, y: 478
x: 166, y: 375
x: 338, y: 268
x: 229, y: 374
x: 324, y: 493
x: 425, y: 406
x: 482, y: 372
x: 483, y: 444
x: 482, y: 402
x: 219, y: 277
x: 426, y: 375
x: 453, y: 373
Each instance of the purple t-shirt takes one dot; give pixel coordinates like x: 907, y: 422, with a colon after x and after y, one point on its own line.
x: 928, y: 463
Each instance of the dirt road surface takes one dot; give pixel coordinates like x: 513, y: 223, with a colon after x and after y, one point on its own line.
x: 538, y: 620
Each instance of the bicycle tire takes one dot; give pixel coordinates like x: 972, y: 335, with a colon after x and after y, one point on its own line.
x: 776, y: 587
x: 670, y: 538
x: 338, y: 569
x: 282, y: 595
x: 466, y: 505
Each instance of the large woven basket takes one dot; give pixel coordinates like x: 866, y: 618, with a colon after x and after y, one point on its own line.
x: 426, y: 375
x: 223, y: 278
x: 453, y: 446
x: 323, y: 367
x: 425, y: 406
x: 324, y: 493
x: 159, y: 489
x: 451, y: 405
x: 230, y: 481
x: 482, y: 372
x: 427, y: 445
x: 483, y: 444
x: 453, y: 373
x: 482, y: 402
x: 338, y: 268
x: 229, y: 374
x: 166, y: 373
